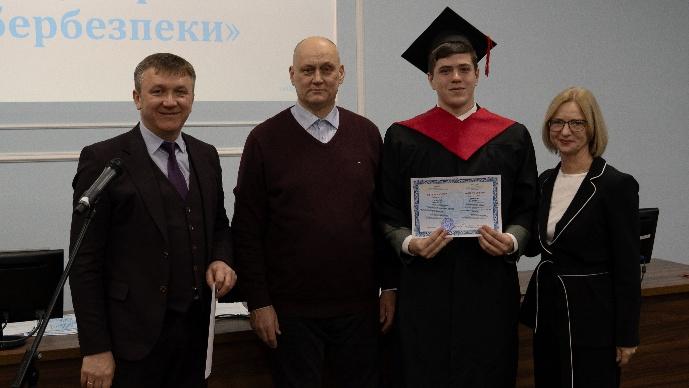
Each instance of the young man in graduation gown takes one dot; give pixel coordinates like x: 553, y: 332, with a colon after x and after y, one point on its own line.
x: 458, y: 298
x: 304, y: 233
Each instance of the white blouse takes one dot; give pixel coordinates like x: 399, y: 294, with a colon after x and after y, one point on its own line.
x: 566, y: 186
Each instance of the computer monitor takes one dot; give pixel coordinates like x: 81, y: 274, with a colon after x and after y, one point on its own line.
x: 28, y: 280
x: 648, y: 220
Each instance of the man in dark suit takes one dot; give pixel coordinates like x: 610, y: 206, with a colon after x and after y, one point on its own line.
x: 160, y: 239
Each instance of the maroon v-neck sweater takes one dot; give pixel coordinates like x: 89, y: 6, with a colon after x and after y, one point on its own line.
x: 302, y: 227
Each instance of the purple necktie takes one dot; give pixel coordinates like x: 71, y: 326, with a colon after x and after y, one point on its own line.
x: 174, y: 174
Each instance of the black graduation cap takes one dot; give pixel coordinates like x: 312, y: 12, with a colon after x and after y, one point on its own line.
x: 447, y: 27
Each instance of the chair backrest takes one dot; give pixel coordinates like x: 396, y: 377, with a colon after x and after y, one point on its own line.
x: 648, y: 220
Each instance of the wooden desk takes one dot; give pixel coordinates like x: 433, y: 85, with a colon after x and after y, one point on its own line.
x: 240, y: 360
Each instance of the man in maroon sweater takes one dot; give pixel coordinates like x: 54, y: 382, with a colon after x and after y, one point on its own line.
x: 307, y: 250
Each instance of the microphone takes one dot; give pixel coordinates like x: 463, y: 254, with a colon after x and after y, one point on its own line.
x: 111, y: 170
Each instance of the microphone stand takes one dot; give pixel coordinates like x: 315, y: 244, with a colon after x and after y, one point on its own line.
x: 31, y: 356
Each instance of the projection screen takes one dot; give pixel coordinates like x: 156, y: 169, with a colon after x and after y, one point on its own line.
x: 85, y: 51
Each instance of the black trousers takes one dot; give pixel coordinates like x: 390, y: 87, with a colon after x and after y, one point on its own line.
x: 594, y: 367
x: 178, y: 358
x: 347, y: 347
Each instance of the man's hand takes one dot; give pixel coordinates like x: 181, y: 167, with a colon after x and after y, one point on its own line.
x: 264, y: 321
x: 624, y: 355
x: 97, y: 370
x: 495, y: 243
x: 428, y: 247
x: 387, y: 309
x: 221, y: 277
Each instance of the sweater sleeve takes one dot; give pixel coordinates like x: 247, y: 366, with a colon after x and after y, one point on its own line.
x: 249, y: 225
x: 386, y: 253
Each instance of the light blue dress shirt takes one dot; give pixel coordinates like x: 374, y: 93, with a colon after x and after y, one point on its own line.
x: 323, y: 129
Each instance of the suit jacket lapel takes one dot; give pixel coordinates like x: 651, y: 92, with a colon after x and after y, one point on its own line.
x: 586, y: 192
x: 141, y: 169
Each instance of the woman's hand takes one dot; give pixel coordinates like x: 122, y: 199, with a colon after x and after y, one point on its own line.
x: 624, y: 355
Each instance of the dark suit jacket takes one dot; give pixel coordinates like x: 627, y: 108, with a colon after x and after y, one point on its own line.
x: 120, y: 275
x: 599, y: 232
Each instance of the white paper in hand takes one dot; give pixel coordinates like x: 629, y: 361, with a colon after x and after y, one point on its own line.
x: 211, y: 335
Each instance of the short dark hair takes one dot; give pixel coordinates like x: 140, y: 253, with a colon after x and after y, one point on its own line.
x: 165, y: 62
x: 446, y: 49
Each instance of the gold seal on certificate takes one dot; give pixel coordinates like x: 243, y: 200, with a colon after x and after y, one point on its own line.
x: 459, y: 204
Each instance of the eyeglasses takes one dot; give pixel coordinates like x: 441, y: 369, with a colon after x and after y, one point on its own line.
x: 558, y: 125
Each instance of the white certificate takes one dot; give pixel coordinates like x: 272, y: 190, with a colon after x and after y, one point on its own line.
x: 459, y: 204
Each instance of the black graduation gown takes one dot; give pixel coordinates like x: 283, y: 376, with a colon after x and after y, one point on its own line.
x: 457, y: 313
